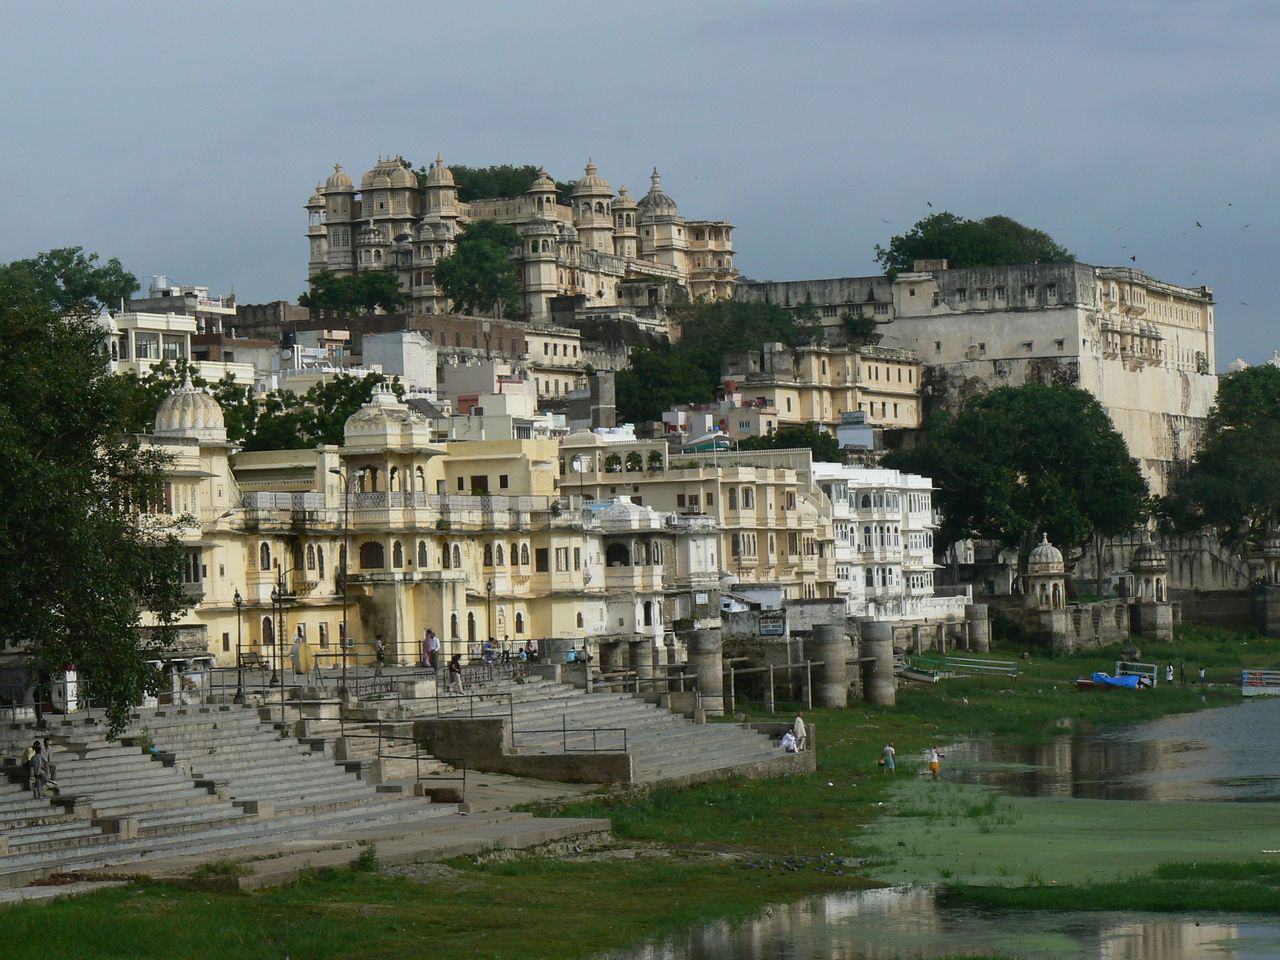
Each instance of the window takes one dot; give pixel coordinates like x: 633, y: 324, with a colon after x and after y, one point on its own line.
x: 488, y: 555
x: 457, y: 556
x: 962, y: 294
x: 324, y: 634
x: 503, y: 481
x: 264, y: 557
x: 524, y: 554
x: 423, y: 560
x: 733, y: 499
x: 562, y: 559
x: 520, y: 622
x: 1029, y: 291
x: 679, y: 500
x: 577, y: 558
x: 542, y: 560
x: 372, y: 555
x: 497, y: 554
x: 982, y: 294
x: 397, y: 555
x: 311, y: 556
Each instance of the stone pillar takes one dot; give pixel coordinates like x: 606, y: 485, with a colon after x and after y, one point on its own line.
x: 940, y: 638
x: 917, y: 641
x: 551, y: 649
x: 707, y: 659
x: 975, y: 615
x: 642, y: 663
x: 613, y: 659
x: 879, y: 685
x: 1266, y: 609
x: 830, y: 646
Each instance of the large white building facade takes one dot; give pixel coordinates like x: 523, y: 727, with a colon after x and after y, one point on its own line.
x: 584, y: 248
x: 884, y: 523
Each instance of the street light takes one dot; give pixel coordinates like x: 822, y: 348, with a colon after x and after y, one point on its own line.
x: 346, y: 558
x: 239, y: 697
x: 488, y: 587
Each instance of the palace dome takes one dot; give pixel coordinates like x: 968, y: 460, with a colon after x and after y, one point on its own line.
x: 189, y: 412
x: 591, y: 184
x: 439, y: 175
x: 540, y: 227
x: 623, y: 200
x: 655, y: 203
x: 544, y: 183
x: 1045, y: 558
x: 338, y: 180
x: 1149, y: 555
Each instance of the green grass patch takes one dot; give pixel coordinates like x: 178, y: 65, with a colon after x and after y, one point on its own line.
x: 220, y: 868
x: 1237, y: 887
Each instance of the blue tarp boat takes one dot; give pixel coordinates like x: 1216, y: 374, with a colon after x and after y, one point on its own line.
x: 1104, y: 681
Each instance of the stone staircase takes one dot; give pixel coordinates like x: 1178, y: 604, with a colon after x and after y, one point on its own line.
x: 555, y: 720
x: 210, y: 780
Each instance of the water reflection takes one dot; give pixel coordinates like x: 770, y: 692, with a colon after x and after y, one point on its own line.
x: 911, y: 924
x: 1232, y: 753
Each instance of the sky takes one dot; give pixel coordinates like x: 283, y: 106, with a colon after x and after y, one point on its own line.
x: 185, y: 139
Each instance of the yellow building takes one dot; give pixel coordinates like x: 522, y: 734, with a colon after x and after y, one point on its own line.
x: 471, y: 539
x: 774, y: 523
x: 819, y: 383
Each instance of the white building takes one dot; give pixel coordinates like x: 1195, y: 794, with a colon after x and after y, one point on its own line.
x: 884, y: 525
x: 137, y: 342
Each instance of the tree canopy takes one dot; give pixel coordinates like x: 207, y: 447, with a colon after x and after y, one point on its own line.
x: 72, y: 282
x: 80, y: 558
x: 500, y: 180
x: 824, y: 446
x: 481, y: 274
x: 1230, y: 487
x: 688, y: 371
x: 1022, y: 461
x: 990, y: 242
x: 366, y: 290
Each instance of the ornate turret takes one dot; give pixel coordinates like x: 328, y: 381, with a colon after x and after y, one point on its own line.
x: 191, y: 412
x: 592, y: 202
x: 656, y: 203
x: 1046, y: 576
x: 542, y: 192
x: 625, y: 232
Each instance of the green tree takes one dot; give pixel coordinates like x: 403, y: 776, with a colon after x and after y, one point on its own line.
x: 657, y: 380
x: 72, y: 282
x: 1229, y: 489
x: 482, y: 273
x: 824, y: 446
x: 859, y: 330
x: 1022, y: 461
x: 366, y: 290
x: 500, y: 180
x: 989, y: 242
x: 78, y: 563
x: 282, y: 420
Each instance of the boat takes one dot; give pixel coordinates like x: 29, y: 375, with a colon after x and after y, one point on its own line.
x: 1104, y: 681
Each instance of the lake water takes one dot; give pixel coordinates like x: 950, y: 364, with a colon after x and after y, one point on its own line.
x: 1231, y: 753
x: 913, y: 925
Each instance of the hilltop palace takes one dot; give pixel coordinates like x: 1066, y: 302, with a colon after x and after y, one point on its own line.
x: 585, y: 248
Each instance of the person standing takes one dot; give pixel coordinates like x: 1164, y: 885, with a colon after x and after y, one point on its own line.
x: 1182, y: 672
x: 1202, y: 675
x: 801, y: 734
x: 455, y: 674
x: 430, y: 649
x: 935, y: 762
x: 379, y: 654
x: 1168, y: 674
x: 38, y: 772
x: 888, y: 758
x: 50, y: 768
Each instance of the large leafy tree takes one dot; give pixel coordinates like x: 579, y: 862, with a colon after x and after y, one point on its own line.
x: 989, y: 242
x: 79, y: 560
x: 1022, y: 461
x: 74, y: 283
x: 482, y: 274
x: 366, y: 290
x: 499, y: 180
x: 824, y: 446
x: 1230, y: 488
x: 688, y: 371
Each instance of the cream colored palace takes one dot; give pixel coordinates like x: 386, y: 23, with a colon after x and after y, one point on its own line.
x: 586, y: 247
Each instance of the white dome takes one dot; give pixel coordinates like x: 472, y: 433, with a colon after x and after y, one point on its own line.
x: 338, y: 180
x: 1045, y: 558
x: 189, y: 412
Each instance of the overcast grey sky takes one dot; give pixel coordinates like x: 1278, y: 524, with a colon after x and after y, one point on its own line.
x: 185, y: 138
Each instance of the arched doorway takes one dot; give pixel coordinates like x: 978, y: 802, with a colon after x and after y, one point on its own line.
x: 471, y: 631
x: 268, y: 631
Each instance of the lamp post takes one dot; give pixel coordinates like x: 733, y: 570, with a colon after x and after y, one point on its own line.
x: 346, y: 559
x: 488, y: 589
x: 239, y: 697
x: 277, y: 613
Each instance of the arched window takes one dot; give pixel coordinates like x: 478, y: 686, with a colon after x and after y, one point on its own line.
x: 733, y: 499
x: 372, y: 555
x: 488, y: 555
x: 748, y: 498
x: 866, y: 502
x: 871, y: 577
x: 453, y: 626
x: 613, y: 463
x: 457, y: 557
x: 515, y: 554
x: 471, y: 628
x: 264, y: 556
x: 635, y: 463
x: 298, y: 558
x: 580, y: 621
x: 393, y: 479
x: 519, y: 622
x: 423, y: 560
x: 497, y: 554
x: 1057, y: 597
x: 320, y: 562
x: 397, y: 555
x: 866, y: 536
x: 444, y: 557
x: 268, y: 631
x: 311, y: 556
x: 420, y: 479
x: 524, y: 554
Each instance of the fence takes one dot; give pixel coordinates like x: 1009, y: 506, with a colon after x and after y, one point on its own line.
x: 1151, y: 671
x: 1260, y: 683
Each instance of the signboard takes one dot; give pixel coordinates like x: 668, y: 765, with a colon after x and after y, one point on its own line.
x: 773, y: 624
x: 700, y: 598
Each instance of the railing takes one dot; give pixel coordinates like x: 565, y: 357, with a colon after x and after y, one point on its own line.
x: 1125, y: 668
x: 266, y: 500
x: 1256, y: 683
x: 564, y: 730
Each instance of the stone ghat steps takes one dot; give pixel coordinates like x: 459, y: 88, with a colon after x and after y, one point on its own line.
x: 387, y: 811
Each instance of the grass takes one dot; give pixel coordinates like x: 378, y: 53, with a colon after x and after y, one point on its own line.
x: 220, y: 868
x: 538, y: 907
x: 1234, y: 887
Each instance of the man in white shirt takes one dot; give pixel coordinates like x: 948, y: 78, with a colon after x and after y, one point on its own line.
x: 789, y: 742
x: 800, y: 733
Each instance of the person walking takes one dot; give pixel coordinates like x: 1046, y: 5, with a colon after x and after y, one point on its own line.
x: 1202, y: 675
x: 888, y: 757
x: 455, y: 674
x: 935, y: 762
x: 801, y: 734
x: 1168, y: 674
x: 379, y: 654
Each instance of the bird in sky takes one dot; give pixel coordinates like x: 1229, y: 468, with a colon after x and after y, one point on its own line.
x: 883, y: 220
x: 1134, y: 259
x: 928, y: 204
x: 1246, y: 226
x: 1243, y: 303
x: 1197, y: 223
x: 1194, y: 272
x: 1228, y: 203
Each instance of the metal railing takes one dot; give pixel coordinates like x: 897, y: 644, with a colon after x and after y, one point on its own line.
x: 566, y: 731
